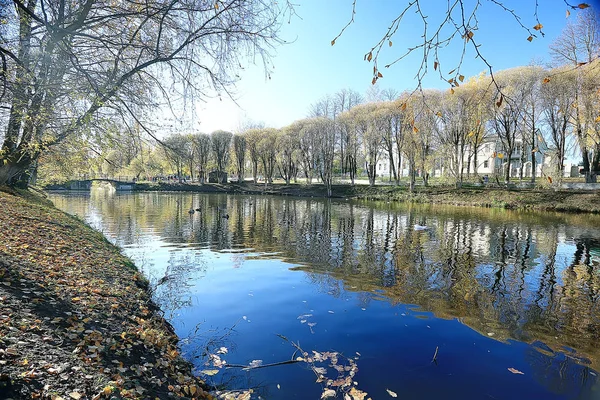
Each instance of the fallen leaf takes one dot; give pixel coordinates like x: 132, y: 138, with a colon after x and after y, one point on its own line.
x: 516, y: 371
x: 328, y: 393
x: 210, y: 372
x: 75, y: 395
x: 357, y: 394
x: 393, y: 394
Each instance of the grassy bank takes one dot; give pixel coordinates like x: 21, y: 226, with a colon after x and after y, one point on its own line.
x: 540, y: 199
x: 76, y: 318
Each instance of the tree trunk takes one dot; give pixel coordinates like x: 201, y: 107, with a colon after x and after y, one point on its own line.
x: 533, y: 161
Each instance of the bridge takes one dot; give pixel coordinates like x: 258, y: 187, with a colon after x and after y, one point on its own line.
x: 119, y: 183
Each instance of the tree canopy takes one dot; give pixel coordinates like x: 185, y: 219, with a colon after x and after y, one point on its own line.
x: 66, y: 65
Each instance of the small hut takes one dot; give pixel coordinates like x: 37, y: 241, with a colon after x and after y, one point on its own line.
x: 217, y: 177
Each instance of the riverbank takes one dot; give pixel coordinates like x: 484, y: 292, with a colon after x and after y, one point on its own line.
x: 523, y: 199
x: 76, y: 317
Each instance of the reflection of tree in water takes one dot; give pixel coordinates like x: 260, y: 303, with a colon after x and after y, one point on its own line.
x: 172, y: 292
x: 500, y: 272
x: 560, y: 372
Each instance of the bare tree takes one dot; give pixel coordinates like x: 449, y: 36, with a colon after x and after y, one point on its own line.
x: 287, y: 153
x: 202, y: 148
x: 579, y: 45
x: 221, y: 144
x: 323, y: 129
x: 176, y: 151
x: 64, y: 63
x: 239, y: 149
x: 507, y: 113
x: 344, y: 100
x: 267, y: 152
x: 253, y: 137
x: 558, y: 96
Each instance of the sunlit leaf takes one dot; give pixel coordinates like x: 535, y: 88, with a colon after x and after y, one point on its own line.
x: 546, y: 80
x: 374, y: 81
x: 379, y: 75
x: 530, y: 38
x: 461, y: 78
x: 403, y: 106
x: 210, y: 372
x: 390, y: 43
x: 370, y: 56
x: 583, y: 5
x: 435, y: 65
x: 357, y: 394
x: 538, y: 27
x: 393, y: 394
x: 333, y: 42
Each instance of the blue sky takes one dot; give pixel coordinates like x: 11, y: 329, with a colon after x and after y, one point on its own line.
x: 309, y: 67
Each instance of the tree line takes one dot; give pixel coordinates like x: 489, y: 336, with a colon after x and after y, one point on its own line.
x: 520, y: 110
x: 78, y: 77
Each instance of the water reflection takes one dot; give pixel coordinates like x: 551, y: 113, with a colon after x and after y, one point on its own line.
x: 511, y: 276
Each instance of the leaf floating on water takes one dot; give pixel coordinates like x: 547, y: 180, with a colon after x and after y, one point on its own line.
x: 210, y: 372
x: 278, y: 387
x: 328, y: 393
x: 330, y: 312
x: 516, y: 371
x: 357, y: 394
x: 222, y: 350
x: 255, y: 363
x: 393, y: 394
x: 320, y: 370
x: 311, y: 324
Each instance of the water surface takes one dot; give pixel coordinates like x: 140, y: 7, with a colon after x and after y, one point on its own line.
x: 433, y: 302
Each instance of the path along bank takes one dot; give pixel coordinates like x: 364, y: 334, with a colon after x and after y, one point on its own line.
x: 76, y: 317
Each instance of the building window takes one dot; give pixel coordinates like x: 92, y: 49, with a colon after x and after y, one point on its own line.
x: 380, y: 167
x: 486, y: 164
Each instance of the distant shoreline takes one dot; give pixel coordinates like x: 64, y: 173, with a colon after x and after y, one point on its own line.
x: 566, y: 200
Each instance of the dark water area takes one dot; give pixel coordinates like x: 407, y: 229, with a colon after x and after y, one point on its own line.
x: 426, y: 302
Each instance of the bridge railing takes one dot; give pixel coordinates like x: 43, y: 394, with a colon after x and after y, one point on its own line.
x: 118, y: 178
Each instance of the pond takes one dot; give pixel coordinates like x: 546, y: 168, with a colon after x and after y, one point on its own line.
x: 423, y: 302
